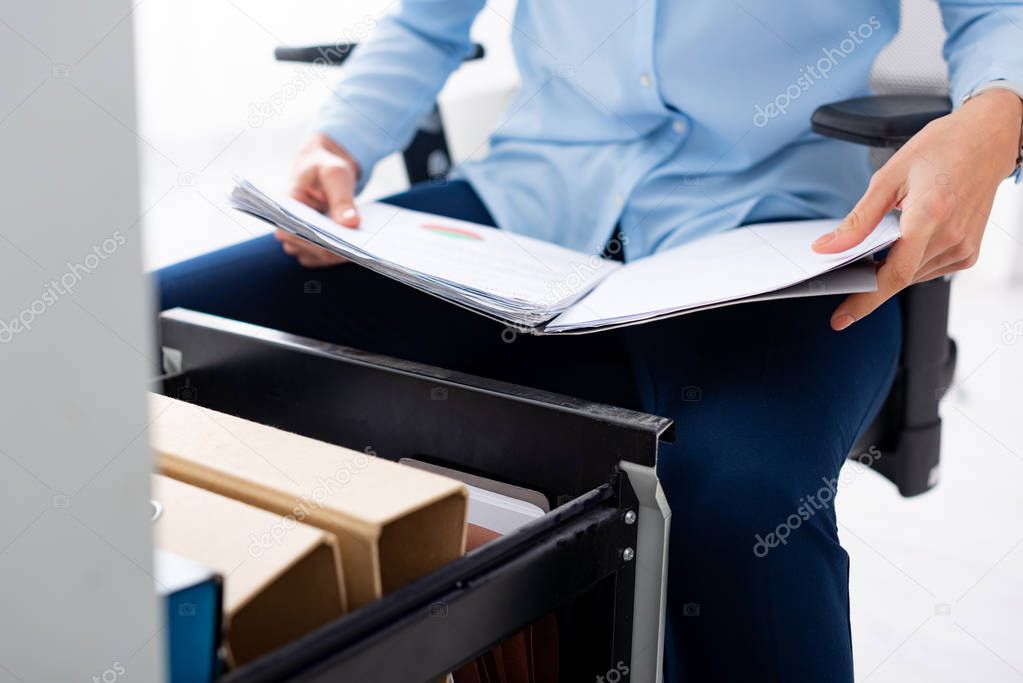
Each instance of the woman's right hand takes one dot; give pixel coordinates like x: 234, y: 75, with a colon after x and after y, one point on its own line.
x: 324, y: 178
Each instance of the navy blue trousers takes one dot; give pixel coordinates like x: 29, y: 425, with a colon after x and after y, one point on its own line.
x: 767, y: 402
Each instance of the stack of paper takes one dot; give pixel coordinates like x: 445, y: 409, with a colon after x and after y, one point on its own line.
x: 500, y: 513
x: 512, y: 277
x: 544, y: 288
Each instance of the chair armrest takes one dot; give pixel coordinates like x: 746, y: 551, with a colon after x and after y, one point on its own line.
x: 879, y: 120
x: 336, y: 54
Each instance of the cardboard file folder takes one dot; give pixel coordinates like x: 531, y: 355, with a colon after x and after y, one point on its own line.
x: 281, y: 579
x: 394, y: 523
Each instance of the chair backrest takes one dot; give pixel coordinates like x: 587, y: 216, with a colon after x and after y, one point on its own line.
x: 912, y: 64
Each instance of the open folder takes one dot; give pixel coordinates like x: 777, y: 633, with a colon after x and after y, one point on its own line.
x: 543, y: 288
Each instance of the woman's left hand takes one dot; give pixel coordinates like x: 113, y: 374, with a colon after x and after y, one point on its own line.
x: 944, y: 180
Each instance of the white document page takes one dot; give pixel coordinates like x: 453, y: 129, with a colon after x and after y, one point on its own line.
x: 466, y: 255
x: 499, y: 513
x: 727, y: 266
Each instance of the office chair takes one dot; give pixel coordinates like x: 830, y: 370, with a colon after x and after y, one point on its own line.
x: 910, y: 83
x: 910, y: 80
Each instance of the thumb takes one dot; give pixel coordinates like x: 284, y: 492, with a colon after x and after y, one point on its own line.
x: 880, y: 198
x: 338, y: 184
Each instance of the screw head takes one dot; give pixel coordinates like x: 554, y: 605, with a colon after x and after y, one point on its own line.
x: 628, y: 554
x: 630, y: 517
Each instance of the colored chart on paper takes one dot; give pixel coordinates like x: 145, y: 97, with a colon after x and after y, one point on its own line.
x: 449, y: 231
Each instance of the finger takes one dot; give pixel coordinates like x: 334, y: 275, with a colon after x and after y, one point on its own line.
x: 311, y: 196
x: 338, y: 184
x: 921, y: 217
x: 294, y: 240
x: 880, y: 198
x: 289, y: 240
x: 329, y: 258
x: 897, y: 272
x: 964, y: 252
x: 282, y: 235
x: 937, y: 263
x: 314, y: 255
x: 322, y: 259
x: 309, y: 256
x: 951, y: 239
x: 299, y: 243
x: 945, y: 269
x: 296, y: 245
x: 305, y: 188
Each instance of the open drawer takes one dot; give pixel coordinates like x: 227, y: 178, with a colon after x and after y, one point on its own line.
x: 597, y: 559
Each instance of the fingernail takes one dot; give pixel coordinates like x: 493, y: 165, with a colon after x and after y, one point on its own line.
x: 347, y: 214
x: 840, y: 322
x: 825, y: 239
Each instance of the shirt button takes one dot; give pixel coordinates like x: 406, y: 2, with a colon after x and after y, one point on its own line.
x: 619, y: 199
x: 679, y: 127
x: 645, y: 80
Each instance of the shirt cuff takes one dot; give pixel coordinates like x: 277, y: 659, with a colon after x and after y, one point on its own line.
x: 1011, y: 86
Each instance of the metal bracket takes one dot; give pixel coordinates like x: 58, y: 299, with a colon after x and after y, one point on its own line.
x: 654, y: 517
x: 172, y: 360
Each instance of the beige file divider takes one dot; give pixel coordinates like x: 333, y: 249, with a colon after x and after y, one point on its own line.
x: 281, y: 579
x: 393, y: 523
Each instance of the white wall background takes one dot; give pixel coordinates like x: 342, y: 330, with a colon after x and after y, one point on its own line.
x: 77, y: 598
x: 203, y: 65
x: 937, y: 581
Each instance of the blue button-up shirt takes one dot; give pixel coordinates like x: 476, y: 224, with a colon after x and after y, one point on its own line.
x: 670, y: 118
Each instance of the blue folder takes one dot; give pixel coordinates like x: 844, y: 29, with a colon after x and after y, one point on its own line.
x: 193, y: 597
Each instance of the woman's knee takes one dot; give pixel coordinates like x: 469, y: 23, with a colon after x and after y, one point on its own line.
x: 752, y: 500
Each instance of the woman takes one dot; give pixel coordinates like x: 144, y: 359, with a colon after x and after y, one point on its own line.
x: 663, y: 121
